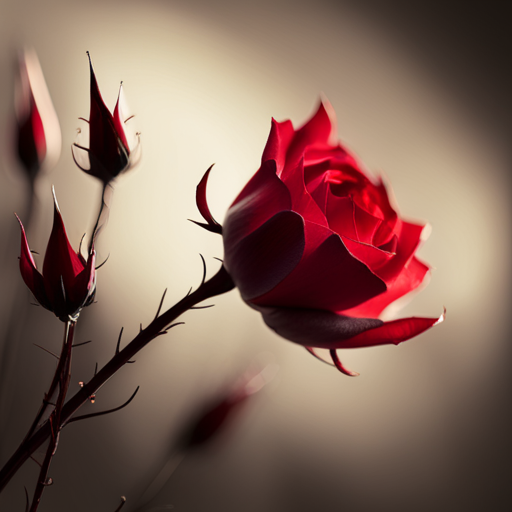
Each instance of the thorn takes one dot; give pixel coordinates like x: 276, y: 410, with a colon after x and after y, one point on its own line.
x: 131, y: 362
x: 80, y: 344
x: 80, y: 246
x: 203, y: 307
x: 27, y: 502
x: 96, y: 369
x: 34, y: 304
x: 34, y: 252
x: 189, y: 292
x: 140, y: 329
x: 218, y: 259
x: 104, y: 261
x: 81, y: 147
x: 160, y: 305
x: 204, y: 270
x: 216, y: 228
x: 36, y: 461
x: 46, y: 350
x: 166, y: 330
x: 174, y: 325
x: 121, y: 505
x: 119, y: 340
x: 92, y: 415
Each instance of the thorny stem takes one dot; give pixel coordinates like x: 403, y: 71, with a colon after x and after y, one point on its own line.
x: 61, y: 378
x: 51, y: 390
x: 220, y: 283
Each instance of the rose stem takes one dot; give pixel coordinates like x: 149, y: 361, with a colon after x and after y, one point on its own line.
x: 103, y: 212
x: 62, y: 378
x: 51, y: 390
x: 218, y: 284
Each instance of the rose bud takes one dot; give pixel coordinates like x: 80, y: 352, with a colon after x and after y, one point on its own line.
x: 111, y: 150
x: 213, y: 419
x: 38, y: 137
x: 315, y: 244
x: 68, y: 281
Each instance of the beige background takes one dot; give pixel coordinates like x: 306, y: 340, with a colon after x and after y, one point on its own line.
x: 420, y: 93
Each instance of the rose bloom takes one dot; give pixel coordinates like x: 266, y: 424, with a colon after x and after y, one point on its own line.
x: 315, y: 245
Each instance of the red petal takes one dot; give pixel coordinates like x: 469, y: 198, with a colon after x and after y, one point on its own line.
x: 315, y: 327
x: 278, y: 141
x: 408, y: 242
x: 373, y: 257
x: 394, y: 332
x: 323, y: 329
x: 84, y: 284
x: 302, y: 202
x: 120, y: 117
x: 265, y: 257
x: 33, y: 279
x: 317, y: 186
x: 263, y: 197
x: 366, y: 225
x: 61, y: 263
x: 409, y: 279
x: 318, y: 130
x: 340, y: 215
x: 328, y: 276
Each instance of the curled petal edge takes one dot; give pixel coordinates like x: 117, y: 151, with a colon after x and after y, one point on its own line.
x: 394, y: 332
x: 324, y: 329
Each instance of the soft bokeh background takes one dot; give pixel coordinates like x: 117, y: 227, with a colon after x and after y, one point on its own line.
x: 421, y: 93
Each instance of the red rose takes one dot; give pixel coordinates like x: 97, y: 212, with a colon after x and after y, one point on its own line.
x: 315, y: 245
x: 68, y: 281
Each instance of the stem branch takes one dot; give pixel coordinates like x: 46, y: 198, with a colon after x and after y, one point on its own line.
x: 218, y: 284
x: 62, y: 378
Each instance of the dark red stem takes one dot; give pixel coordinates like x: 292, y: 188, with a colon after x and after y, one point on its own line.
x: 218, y: 284
x: 62, y: 377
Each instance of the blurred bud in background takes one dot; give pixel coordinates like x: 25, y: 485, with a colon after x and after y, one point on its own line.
x: 210, y: 423
x: 218, y: 414
x: 38, y: 137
